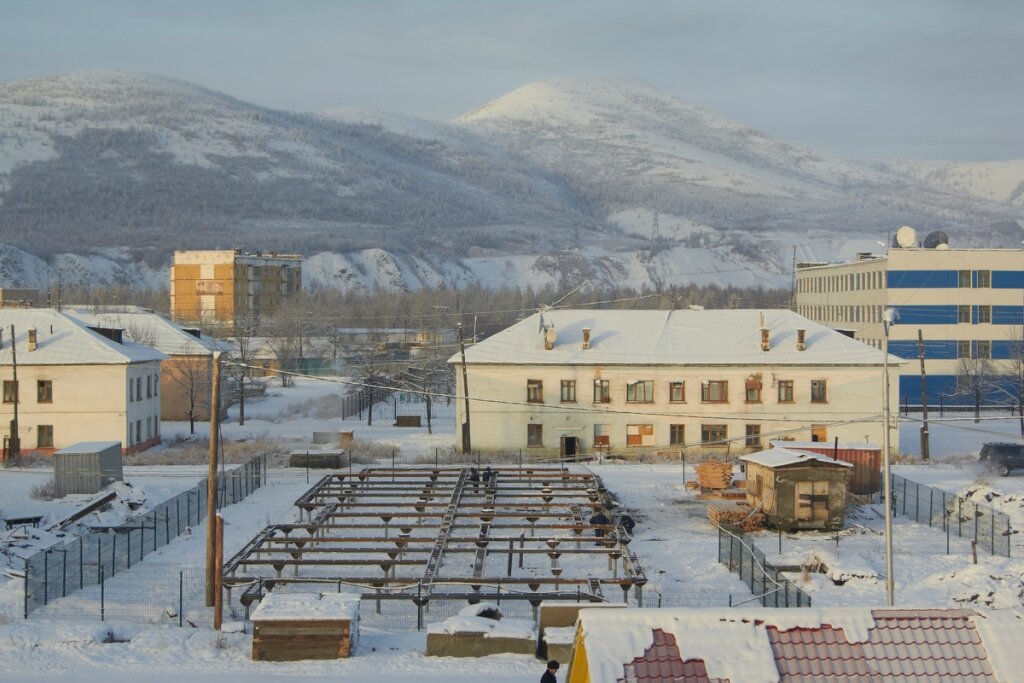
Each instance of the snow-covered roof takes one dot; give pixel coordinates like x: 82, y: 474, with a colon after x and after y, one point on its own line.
x: 823, y: 445
x: 90, y: 447
x: 62, y: 340
x: 762, y: 645
x: 781, y: 457
x: 147, y: 328
x: 678, y: 337
x: 307, y: 606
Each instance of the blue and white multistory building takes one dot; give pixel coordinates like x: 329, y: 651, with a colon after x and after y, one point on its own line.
x: 967, y: 304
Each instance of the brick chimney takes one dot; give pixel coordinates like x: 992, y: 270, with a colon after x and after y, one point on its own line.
x: 32, y: 339
x: 801, y: 340
x: 586, y: 338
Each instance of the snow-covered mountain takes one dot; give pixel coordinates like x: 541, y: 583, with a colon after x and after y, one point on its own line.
x: 998, y: 181
x: 104, y: 174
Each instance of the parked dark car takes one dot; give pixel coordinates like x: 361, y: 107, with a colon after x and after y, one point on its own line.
x: 1002, y: 457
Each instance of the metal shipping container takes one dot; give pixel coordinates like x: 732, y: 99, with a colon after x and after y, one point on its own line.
x: 87, y: 467
x: 866, y: 459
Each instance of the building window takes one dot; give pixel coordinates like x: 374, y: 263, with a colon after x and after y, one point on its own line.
x: 149, y: 386
x: 10, y: 391
x: 156, y: 385
x: 785, y: 391
x: 602, y: 391
x: 534, y: 435
x: 753, y: 391
x: 138, y: 431
x: 641, y: 391
x: 131, y: 390
x: 149, y: 428
x: 753, y: 436
x: 639, y: 435
x: 601, y: 436
x: 984, y: 349
x: 963, y: 278
x: 44, y: 391
x: 677, y: 392
x: 984, y: 278
x: 715, y: 391
x: 819, y: 433
x: 568, y: 391
x: 819, y: 391
x: 677, y: 435
x: 44, y: 436
x: 963, y: 349
x: 535, y: 391
x: 713, y: 435
x: 984, y: 314
x: 138, y: 388
x: 963, y: 314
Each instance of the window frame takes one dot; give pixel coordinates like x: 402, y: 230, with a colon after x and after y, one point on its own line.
x: 534, y: 435
x: 10, y: 391
x: 752, y: 436
x: 677, y: 435
x: 648, y: 391
x: 963, y: 315
x: 705, y: 391
x: 963, y: 348
x: 962, y: 277
x: 44, y: 391
x: 40, y: 441
x: 602, y: 391
x: 984, y: 314
x: 755, y: 386
x: 707, y: 433
x: 984, y: 279
x: 643, y: 435
x: 786, y: 383
x: 672, y: 393
x: 567, y: 391
x: 819, y: 391
x: 983, y: 349
x: 534, y: 391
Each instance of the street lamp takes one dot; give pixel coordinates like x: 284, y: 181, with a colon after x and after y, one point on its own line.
x: 888, y: 319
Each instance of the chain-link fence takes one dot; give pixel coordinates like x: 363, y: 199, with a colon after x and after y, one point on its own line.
x: 94, y: 558
x: 987, y: 527
x: 767, y: 584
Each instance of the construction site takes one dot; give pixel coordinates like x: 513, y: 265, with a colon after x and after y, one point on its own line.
x: 429, y: 535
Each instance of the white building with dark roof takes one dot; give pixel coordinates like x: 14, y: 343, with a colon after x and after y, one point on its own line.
x: 723, y: 380
x: 76, y: 383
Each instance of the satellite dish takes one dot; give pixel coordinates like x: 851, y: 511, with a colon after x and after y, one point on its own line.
x: 935, y: 239
x: 906, y: 238
x: 941, y: 247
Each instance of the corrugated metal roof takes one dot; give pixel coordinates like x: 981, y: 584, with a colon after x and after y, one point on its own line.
x: 62, y: 340
x: 783, y: 457
x: 724, y: 337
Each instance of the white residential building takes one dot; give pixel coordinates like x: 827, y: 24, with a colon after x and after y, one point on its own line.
x: 76, y: 383
x: 186, y: 372
x: 722, y: 380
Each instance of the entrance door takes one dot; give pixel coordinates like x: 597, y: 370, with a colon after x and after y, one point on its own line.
x: 812, y: 501
x: 570, y: 447
x: 819, y: 433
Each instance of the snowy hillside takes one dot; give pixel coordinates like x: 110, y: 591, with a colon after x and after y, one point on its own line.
x: 104, y: 174
x: 1000, y: 181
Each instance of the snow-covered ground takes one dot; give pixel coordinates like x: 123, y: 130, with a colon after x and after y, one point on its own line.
x: 673, y: 539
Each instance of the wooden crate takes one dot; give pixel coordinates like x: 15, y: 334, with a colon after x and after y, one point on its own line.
x: 290, y: 627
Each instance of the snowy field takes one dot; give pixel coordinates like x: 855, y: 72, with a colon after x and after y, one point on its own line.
x: 673, y: 539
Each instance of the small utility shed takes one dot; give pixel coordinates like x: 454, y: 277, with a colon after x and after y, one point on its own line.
x: 797, y: 489
x: 293, y: 626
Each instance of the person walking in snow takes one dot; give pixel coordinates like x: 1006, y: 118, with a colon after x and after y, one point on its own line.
x: 549, y: 675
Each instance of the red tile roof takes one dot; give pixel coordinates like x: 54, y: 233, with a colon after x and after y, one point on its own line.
x: 662, y: 663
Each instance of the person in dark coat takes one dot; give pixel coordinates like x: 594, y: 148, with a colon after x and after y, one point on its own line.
x: 549, y: 675
x: 474, y: 477
x: 627, y: 523
x: 599, y: 518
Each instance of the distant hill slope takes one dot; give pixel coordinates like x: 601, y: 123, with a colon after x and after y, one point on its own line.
x: 104, y: 174
x: 998, y: 181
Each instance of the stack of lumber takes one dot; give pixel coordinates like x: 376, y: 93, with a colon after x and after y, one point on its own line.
x: 735, y: 515
x: 714, y: 474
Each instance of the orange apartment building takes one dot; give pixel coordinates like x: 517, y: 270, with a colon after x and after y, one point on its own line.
x: 219, y: 286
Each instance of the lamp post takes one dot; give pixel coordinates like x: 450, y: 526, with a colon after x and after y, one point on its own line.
x: 888, y: 318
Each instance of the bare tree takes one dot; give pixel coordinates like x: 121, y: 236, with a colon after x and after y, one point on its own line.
x: 243, y: 354
x: 1012, y: 377
x: 976, y: 378
x: 192, y: 375
x: 372, y: 363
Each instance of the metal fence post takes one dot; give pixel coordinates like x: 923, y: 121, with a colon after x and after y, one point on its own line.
x: 46, y: 577
x: 931, y: 495
x: 181, y: 597
x: 28, y: 578
x: 992, y: 534
x: 103, y: 597
x: 904, y: 497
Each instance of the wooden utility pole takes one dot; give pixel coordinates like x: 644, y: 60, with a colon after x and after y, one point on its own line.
x: 211, y: 484
x: 218, y: 603
x: 15, y: 439
x: 466, y: 444
x: 924, y: 397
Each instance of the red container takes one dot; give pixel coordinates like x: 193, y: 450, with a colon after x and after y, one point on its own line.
x: 866, y: 459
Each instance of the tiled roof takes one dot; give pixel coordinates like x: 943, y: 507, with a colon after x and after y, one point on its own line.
x: 662, y: 663
x: 904, y: 645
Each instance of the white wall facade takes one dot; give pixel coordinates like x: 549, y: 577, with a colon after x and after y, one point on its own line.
x: 500, y: 411
x: 89, y: 403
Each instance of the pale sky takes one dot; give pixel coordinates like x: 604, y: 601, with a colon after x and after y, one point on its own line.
x: 927, y: 79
